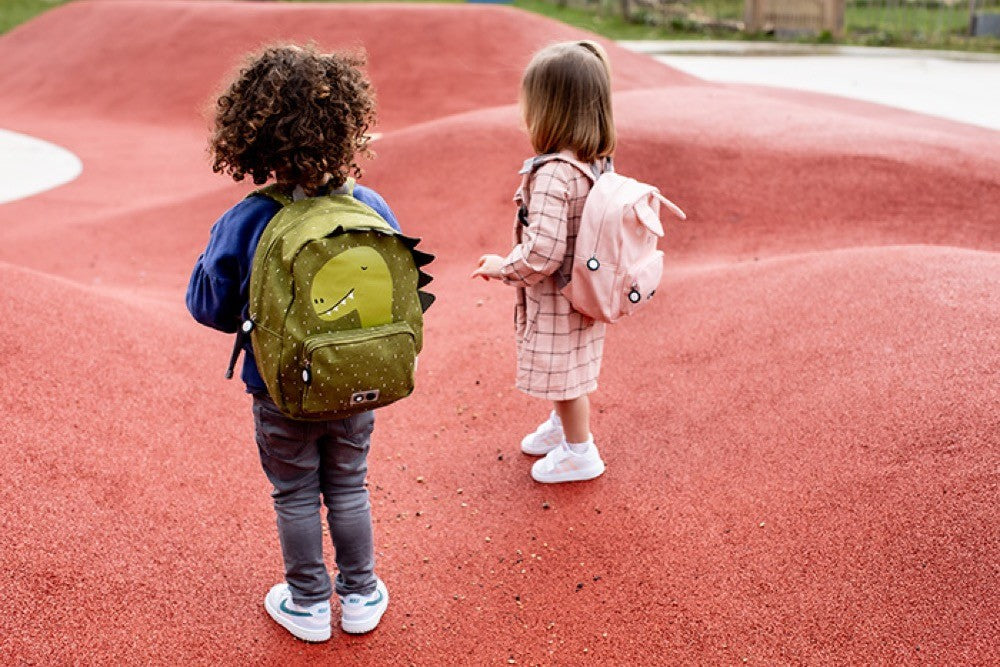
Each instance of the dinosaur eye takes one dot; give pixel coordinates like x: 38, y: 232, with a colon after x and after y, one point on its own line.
x: 364, y: 268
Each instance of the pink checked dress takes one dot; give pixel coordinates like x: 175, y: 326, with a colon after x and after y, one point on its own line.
x: 558, y: 349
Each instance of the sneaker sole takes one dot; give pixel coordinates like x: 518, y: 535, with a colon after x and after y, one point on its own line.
x: 313, y: 636
x: 366, y: 625
x: 574, y: 476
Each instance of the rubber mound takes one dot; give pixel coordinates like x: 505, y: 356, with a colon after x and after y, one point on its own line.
x: 802, y: 439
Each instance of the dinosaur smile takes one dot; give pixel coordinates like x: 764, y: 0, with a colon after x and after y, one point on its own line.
x: 349, y: 296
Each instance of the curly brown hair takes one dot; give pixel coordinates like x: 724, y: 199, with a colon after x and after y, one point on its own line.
x: 296, y: 114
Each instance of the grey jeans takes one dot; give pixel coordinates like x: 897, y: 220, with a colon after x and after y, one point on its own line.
x: 305, y: 461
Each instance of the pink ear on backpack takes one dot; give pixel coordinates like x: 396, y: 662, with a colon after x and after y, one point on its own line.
x: 645, y: 214
x: 674, y: 208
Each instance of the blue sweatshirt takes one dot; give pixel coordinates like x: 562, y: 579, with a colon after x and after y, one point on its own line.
x: 218, y: 293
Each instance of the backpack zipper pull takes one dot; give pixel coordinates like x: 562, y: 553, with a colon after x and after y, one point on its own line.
x: 241, y: 337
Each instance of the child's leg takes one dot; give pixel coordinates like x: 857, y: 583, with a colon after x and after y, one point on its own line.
x: 575, y: 417
x: 578, y: 459
x: 344, y: 451
x: 290, y: 459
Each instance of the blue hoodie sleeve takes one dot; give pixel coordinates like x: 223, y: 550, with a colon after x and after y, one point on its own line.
x: 374, y: 199
x: 218, y: 291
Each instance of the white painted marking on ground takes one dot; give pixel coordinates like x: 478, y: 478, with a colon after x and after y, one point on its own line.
x: 29, y: 166
x: 968, y: 92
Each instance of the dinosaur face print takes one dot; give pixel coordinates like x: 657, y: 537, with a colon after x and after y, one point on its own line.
x: 355, y: 280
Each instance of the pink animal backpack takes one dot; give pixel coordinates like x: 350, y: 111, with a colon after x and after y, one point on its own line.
x: 616, y: 265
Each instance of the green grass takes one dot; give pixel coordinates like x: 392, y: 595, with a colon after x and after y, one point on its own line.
x: 941, y: 27
x: 603, y: 21
x: 915, y: 25
x: 16, y: 12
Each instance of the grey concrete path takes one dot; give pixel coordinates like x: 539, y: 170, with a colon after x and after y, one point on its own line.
x: 956, y: 85
x: 29, y: 166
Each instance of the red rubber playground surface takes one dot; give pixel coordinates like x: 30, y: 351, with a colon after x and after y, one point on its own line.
x: 801, y: 434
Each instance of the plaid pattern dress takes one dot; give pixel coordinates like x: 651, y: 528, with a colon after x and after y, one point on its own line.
x: 558, y: 349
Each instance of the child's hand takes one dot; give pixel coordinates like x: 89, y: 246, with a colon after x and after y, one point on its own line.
x: 489, y: 267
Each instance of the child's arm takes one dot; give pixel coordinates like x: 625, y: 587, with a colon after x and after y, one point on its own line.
x: 543, y: 242
x: 217, y: 291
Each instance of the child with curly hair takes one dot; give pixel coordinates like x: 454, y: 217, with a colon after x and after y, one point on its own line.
x: 300, y: 117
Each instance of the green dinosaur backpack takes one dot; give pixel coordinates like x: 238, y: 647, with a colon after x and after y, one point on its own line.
x: 336, y: 310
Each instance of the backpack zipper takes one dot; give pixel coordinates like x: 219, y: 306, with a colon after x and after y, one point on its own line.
x: 349, y: 337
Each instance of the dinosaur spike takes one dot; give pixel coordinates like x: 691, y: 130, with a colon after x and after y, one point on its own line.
x: 421, y: 258
x: 410, y: 242
x: 423, y: 279
x: 426, y: 299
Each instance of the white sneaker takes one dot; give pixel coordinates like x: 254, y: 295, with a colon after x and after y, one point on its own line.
x: 564, y: 465
x: 546, y: 437
x: 308, y: 623
x: 361, y: 613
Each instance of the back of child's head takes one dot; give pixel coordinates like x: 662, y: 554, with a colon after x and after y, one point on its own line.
x: 566, y: 100
x: 294, y: 114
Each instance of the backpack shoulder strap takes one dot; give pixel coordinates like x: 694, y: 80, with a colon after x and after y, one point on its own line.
x: 591, y: 171
x: 274, y: 192
x: 278, y: 194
